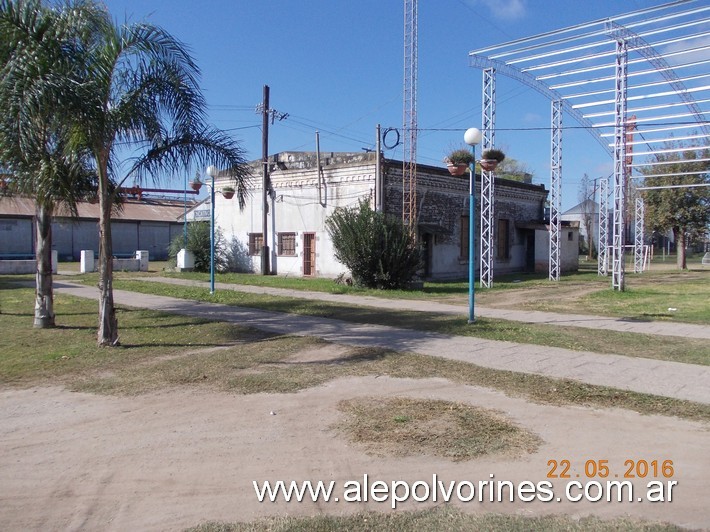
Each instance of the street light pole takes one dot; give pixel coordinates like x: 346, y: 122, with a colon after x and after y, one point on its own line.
x: 472, y: 136
x: 212, y: 172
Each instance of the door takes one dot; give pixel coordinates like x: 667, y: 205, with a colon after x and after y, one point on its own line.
x: 530, y: 251
x: 309, y: 254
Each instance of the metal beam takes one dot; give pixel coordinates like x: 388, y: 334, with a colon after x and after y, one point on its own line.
x: 619, y: 192
x: 488, y: 179
x: 603, y: 257
x: 555, y: 191
x: 639, y: 236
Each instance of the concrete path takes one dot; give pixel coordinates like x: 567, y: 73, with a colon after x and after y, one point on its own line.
x: 662, y: 328
x: 670, y: 379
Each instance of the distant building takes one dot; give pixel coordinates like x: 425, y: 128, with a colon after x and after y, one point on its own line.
x: 301, y: 199
x: 146, y: 224
x: 587, y: 210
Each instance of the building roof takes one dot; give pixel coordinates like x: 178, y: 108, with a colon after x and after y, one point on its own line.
x: 586, y: 207
x: 147, y: 209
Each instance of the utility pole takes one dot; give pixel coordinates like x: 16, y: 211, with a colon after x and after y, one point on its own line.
x: 265, y: 270
x: 266, y: 115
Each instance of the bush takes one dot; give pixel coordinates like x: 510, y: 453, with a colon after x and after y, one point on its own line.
x: 198, y: 243
x: 378, y: 249
x: 237, y: 257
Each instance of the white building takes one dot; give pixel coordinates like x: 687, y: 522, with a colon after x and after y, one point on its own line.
x: 301, y: 198
x: 586, y: 212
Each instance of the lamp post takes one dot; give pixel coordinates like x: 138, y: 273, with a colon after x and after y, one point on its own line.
x: 472, y: 136
x: 212, y: 172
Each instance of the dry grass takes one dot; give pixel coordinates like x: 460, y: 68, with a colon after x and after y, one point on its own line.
x: 163, y: 350
x: 441, y: 518
x: 402, y: 426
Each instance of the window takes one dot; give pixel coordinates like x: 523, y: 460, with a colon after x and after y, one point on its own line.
x: 503, y: 239
x: 255, y: 243
x: 287, y: 244
x: 463, y: 247
x: 570, y: 236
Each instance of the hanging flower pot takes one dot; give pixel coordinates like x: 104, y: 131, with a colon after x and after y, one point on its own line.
x: 457, y: 169
x: 488, y: 164
x: 228, y: 192
x: 196, y: 185
x: 458, y: 160
x: 490, y: 159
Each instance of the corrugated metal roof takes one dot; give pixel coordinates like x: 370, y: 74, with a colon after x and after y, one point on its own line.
x: 148, y: 209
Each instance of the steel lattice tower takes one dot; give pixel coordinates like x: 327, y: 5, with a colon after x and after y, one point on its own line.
x: 639, y: 237
x: 409, y: 165
x: 603, y: 257
x: 487, y: 178
x: 555, y: 190
x: 619, y: 193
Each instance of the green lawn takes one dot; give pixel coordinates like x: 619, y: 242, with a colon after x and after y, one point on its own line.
x: 161, y: 350
x: 687, y: 350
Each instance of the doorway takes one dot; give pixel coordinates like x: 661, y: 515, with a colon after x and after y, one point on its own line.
x: 309, y: 254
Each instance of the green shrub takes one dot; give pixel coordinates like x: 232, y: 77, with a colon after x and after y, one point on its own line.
x: 377, y: 249
x: 198, y: 243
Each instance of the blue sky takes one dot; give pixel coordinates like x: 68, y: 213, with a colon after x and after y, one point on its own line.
x: 337, y: 66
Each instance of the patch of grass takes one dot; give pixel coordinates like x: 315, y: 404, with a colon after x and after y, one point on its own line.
x: 162, y: 350
x: 440, y: 518
x: 687, y: 350
x: 64, y: 353
x: 402, y: 426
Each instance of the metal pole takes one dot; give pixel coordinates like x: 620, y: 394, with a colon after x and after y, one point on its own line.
x: 378, y: 172
x: 184, y: 216
x: 320, y: 195
x: 472, y: 237
x: 265, y: 183
x: 212, y: 238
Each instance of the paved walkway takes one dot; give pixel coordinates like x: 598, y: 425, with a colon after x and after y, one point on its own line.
x: 670, y: 379
x: 661, y: 328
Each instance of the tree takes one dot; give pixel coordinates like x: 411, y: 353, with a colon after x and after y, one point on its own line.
x: 378, y: 249
x: 36, y: 48
x: 514, y: 170
x: 685, y: 211
x: 140, y: 92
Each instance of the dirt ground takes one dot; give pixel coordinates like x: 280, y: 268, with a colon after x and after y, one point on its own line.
x: 176, y: 458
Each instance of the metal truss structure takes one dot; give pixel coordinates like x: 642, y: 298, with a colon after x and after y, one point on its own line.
x: 644, y: 72
x: 639, y: 237
x: 488, y: 179
x: 409, y: 140
x: 603, y: 256
x: 619, y: 191
x: 555, y: 191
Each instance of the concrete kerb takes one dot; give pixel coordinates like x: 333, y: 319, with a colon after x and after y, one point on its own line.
x: 668, y: 379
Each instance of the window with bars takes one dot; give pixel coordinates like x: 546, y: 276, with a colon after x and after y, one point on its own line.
x: 287, y: 244
x: 256, y: 241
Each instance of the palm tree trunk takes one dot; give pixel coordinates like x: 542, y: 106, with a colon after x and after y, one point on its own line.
x: 44, y: 293
x: 108, y: 323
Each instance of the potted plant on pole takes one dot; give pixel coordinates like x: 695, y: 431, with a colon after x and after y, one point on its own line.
x: 490, y: 159
x: 196, y: 184
x: 228, y: 192
x: 458, y: 160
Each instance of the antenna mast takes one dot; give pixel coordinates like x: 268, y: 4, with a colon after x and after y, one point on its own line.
x: 409, y: 164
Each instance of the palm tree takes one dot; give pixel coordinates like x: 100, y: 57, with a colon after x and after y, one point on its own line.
x: 37, y: 50
x: 141, y: 93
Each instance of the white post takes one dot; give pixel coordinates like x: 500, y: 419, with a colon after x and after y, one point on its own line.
x: 142, y: 256
x: 87, y: 261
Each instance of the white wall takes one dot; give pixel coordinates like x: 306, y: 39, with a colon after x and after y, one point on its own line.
x: 295, y: 209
